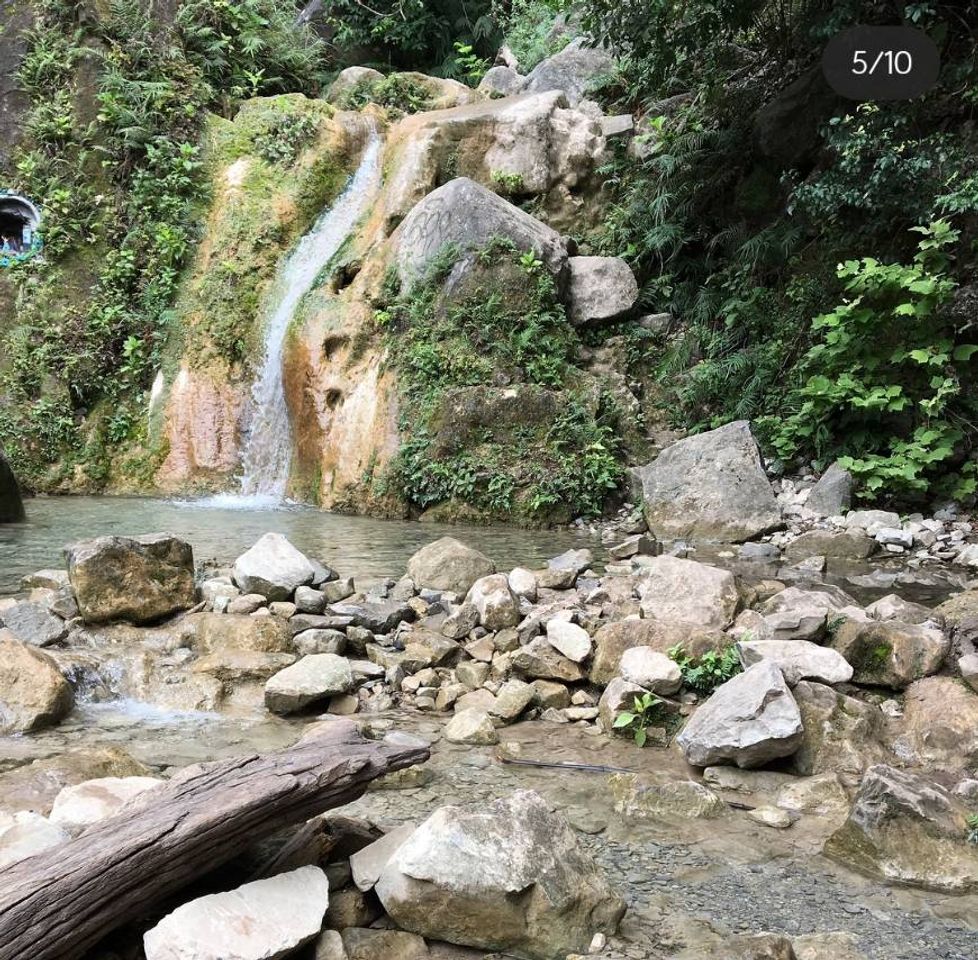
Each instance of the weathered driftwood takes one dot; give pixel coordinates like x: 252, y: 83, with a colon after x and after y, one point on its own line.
x: 59, y: 904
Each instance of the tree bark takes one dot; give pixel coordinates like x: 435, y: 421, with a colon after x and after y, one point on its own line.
x: 59, y: 904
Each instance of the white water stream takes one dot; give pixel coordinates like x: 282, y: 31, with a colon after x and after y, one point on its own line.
x: 268, y: 447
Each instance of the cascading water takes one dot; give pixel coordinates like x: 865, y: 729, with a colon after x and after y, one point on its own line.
x: 268, y: 448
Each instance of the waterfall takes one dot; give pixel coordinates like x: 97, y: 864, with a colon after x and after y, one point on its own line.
x: 268, y: 447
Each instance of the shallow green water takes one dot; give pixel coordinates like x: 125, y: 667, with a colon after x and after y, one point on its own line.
x: 356, y: 546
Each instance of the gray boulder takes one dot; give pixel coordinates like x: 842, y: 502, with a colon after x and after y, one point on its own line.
x: 685, y: 591
x: 502, y: 81
x: 887, y: 653
x: 601, y: 288
x: 32, y: 624
x: 264, y: 920
x: 710, y: 487
x: 496, y: 604
x: 312, y: 680
x: 832, y: 494
x: 906, y: 830
x: 574, y: 71
x: 449, y: 564
x: 464, y: 214
x: 273, y: 568
x: 748, y: 721
x: 11, y: 505
x: 138, y: 579
x: 510, y: 877
x: 797, y: 659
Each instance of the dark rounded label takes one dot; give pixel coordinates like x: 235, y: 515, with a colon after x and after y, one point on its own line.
x: 881, y: 63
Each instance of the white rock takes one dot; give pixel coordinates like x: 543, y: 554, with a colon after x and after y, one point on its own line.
x: 27, y: 833
x: 86, y: 803
x: 313, y: 679
x: 494, y: 601
x: 523, y: 583
x: 367, y: 864
x: 685, y: 591
x: 798, y: 660
x: 471, y: 726
x: 264, y: 920
x: 273, y: 568
x: 572, y: 641
x: 651, y: 669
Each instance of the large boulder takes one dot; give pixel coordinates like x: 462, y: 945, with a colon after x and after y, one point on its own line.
x: 33, y: 693
x: 906, y: 830
x: 688, y: 592
x: 467, y: 216
x: 510, y: 876
x: 889, y: 653
x: 273, y: 568
x: 448, y: 564
x: 494, y: 601
x: 797, y: 660
x: 710, y: 487
x: 264, y: 920
x: 11, y: 505
x: 137, y: 579
x: 573, y: 71
x: 748, y: 721
x: 843, y: 735
x: 601, y: 288
x: 941, y: 723
x: 312, y: 680
x: 502, y: 81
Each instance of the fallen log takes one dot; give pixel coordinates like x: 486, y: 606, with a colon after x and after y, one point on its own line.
x: 59, y: 904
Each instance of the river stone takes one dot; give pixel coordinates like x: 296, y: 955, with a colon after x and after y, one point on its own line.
x: 273, y: 568
x: 523, y: 583
x: 319, y: 641
x: 31, y: 623
x: 471, y: 726
x: 11, y: 505
x: 264, y: 920
x: 501, y: 81
x: 573, y: 71
x: 138, y: 579
x: 435, y: 223
x: 842, y: 735
x: 33, y: 692
x: 448, y: 564
x: 310, y: 600
x: 941, y: 723
x: 310, y: 681
x: 25, y: 834
x: 572, y: 641
x: 495, y: 603
x: 689, y: 592
x: 832, y: 494
x: 601, y: 289
x: 709, y: 487
x: 362, y: 943
x: 889, y: 653
x: 636, y: 798
x: 903, y: 829
x: 508, y: 876
x: 378, y: 616
x: 797, y: 659
x: 871, y: 521
x: 652, y: 670
x: 747, y: 946
x: 243, y: 666
x: 748, y: 721
x: 89, y: 802
x: 216, y: 632
x: 617, y: 697
x: 832, y: 544
x: 540, y: 660
x: 613, y: 639
x: 368, y: 863
x: 512, y: 698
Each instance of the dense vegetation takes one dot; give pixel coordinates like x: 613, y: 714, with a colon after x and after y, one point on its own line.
x: 812, y: 249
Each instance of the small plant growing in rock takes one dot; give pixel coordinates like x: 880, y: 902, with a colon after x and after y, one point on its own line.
x: 645, y: 711
x: 510, y: 183
x: 973, y: 829
x: 704, y: 674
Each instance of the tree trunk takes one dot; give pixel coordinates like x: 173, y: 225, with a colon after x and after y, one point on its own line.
x: 59, y: 904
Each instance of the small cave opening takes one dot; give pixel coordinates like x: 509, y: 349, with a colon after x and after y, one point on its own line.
x: 20, y: 222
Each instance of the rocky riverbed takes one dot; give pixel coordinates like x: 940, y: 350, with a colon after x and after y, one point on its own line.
x: 807, y: 788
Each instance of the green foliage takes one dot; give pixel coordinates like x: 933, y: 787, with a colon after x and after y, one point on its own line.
x: 511, y: 183
x: 496, y: 328
x: 468, y: 64
x: 528, y: 26
x: 397, y: 93
x: 646, y: 710
x: 704, y: 674
x: 888, y: 380
x: 284, y: 140
x: 973, y: 828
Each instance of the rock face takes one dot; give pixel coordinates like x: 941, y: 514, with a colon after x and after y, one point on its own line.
x: 891, y: 654
x: 139, y: 579
x: 510, y: 877
x: 264, y: 920
x: 748, y: 721
x: 906, y: 830
x: 435, y: 222
x: 273, y: 568
x: 449, y: 564
x: 797, y: 659
x: 573, y: 71
x: 601, y: 288
x: 684, y: 591
x: 710, y: 487
x: 313, y: 679
x: 33, y: 693
x: 11, y: 505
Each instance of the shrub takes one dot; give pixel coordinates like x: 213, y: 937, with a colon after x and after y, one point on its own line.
x: 704, y: 674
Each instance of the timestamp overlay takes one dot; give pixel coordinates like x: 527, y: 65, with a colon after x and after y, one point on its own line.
x: 881, y: 63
